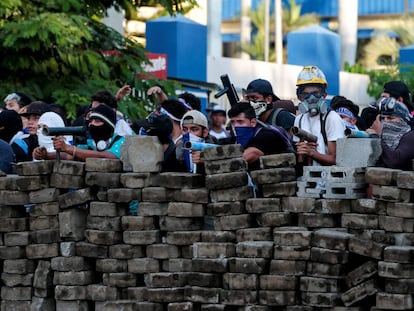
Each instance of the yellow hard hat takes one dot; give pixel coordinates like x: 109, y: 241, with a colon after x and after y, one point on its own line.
x: 311, y: 75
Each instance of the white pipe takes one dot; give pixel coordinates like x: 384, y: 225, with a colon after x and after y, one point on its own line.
x: 278, y: 32
x: 347, y: 29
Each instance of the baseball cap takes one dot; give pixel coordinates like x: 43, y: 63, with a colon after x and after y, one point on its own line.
x: 261, y: 86
x: 398, y: 89
x: 105, y: 114
x: 36, y: 108
x: 194, y: 117
x: 218, y: 109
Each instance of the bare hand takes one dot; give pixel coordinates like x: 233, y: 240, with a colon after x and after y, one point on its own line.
x: 59, y: 144
x: 196, y: 156
x: 123, y: 91
x: 306, y: 148
x: 39, y: 153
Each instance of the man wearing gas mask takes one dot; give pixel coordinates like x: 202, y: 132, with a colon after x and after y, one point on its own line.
x: 316, y: 118
x: 259, y: 93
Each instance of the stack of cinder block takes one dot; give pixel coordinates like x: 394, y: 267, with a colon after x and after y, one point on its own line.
x: 70, y: 273
x: 276, y: 176
x: 394, y: 189
x: 332, y: 182
x: 16, y: 195
x: 322, y: 285
x: 181, y: 215
x: 227, y: 180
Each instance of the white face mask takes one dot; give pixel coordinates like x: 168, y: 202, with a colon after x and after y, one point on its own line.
x: 45, y: 141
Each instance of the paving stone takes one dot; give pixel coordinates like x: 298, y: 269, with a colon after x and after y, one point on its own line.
x: 320, y: 300
x: 238, y: 297
x: 368, y: 206
x: 361, y: 273
x: 142, y: 237
x: 45, y: 236
x: 72, y: 224
x: 390, y: 193
x: 85, y: 249
x: 231, y: 194
x: 18, y: 266
x: 278, y: 282
x: 103, y: 165
x: 218, y: 236
x: 98, y: 292
x: 277, y: 298
x: 331, y: 239
x: 319, y: 285
x: 394, y: 301
x: 12, y: 252
x: 381, y: 176
x: 32, y: 183
x: 202, y: 295
x: 399, y: 286
x: 297, y: 204
x: 44, y: 209
x: 43, y: 277
x: 35, y: 168
x: 254, y: 234
x: 211, y: 265
x: 329, y: 255
x: 125, y: 251
x: 284, y: 252
x: 278, y: 160
x: 248, y: 265
x: 395, y: 270
x: 16, y: 280
x: 78, y: 197
x: 163, y: 251
x: 119, y: 279
x: 225, y: 166
x: 68, y: 249
x: 185, y: 209
x: 165, y: 279
x: 63, y: 181
x: 226, y: 180
x: 359, y: 292
x: 143, y: 265
x: 234, y: 222
x: 263, y: 205
x: 396, y: 224
x: 103, y: 237
x: 273, y: 175
x: 168, y: 223
x: 223, y: 152
x: 213, y: 250
x: 366, y: 248
x: 44, y: 222
x: 404, y: 210
x: 279, y: 189
x: 66, y: 167
x: 16, y: 293
x: 225, y: 208
x: 14, y: 197
x: 402, y: 254
x: 73, y: 278
x: 198, y: 195
x: 359, y: 221
x: 123, y: 195
x: 299, y: 236
x: 13, y: 224
x: 177, y: 180
x: 141, y: 154
x: 37, y: 251
x: 332, y: 206
x: 204, y: 279
x: 325, y: 270
x: 314, y: 220
x: 405, y: 180
x: 157, y: 194
x: 137, y: 223
x: 152, y: 208
x: 103, y: 179
x: 135, y: 180
x: 274, y: 219
x: 255, y: 249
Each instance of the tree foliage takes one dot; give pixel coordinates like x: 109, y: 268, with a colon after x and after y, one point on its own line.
x: 60, y: 51
x: 291, y: 20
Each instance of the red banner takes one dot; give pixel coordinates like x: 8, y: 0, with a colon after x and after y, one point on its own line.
x: 158, y: 66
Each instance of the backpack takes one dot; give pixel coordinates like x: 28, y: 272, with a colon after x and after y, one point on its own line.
x: 279, y: 131
x: 275, y: 114
x: 323, y: 122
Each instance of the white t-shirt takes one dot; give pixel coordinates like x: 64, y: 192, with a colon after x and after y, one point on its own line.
x: 334, y: 127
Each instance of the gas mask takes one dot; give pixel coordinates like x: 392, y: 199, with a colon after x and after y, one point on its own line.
x: 313, y: 104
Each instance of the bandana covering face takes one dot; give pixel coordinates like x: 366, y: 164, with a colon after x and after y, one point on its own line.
x: 393, y: 131
x: 244, y: 134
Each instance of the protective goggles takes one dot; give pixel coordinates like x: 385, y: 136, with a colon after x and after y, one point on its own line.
x: 305, y: 95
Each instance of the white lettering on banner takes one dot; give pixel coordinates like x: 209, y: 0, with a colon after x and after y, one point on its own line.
x: 157, y: 64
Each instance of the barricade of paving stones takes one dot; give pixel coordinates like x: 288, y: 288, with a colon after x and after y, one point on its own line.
x: 69, y: 240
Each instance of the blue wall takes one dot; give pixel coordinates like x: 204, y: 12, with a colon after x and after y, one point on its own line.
x: 317, y: 46
x: 185, y: 43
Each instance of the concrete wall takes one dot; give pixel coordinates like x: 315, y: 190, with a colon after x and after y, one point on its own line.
x: 69, y: 242
x: 282, y: 77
